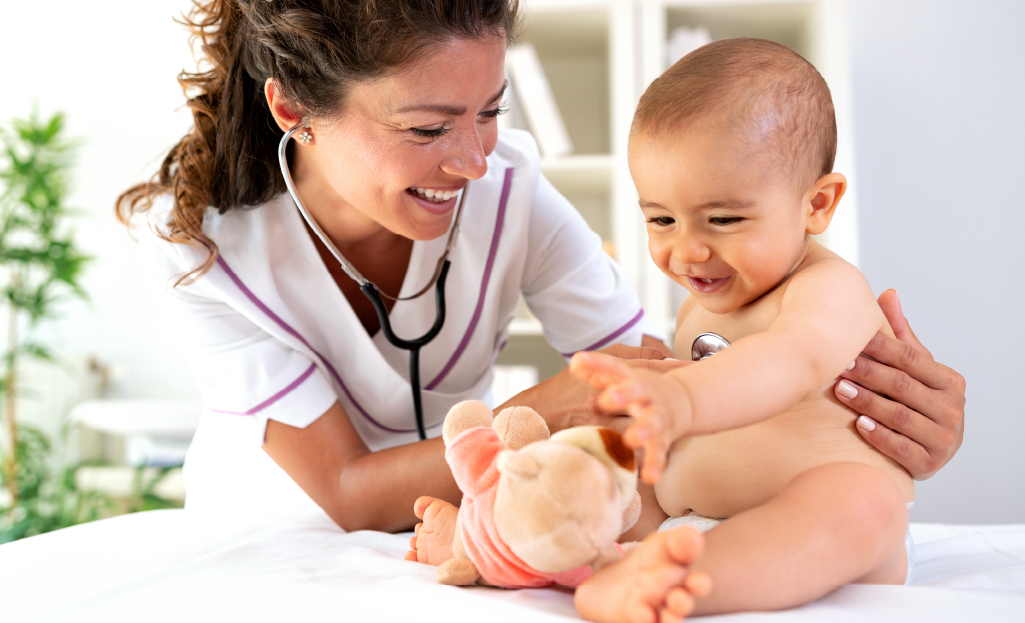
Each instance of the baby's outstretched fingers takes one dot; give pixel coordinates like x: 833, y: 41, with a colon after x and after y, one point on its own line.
x: 626, y: 395
x: 598, y: 370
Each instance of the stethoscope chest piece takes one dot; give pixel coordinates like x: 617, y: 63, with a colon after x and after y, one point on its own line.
x: 706, y: 345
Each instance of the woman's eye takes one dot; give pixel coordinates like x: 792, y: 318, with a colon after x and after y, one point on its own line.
x: 431, y: 132
x: 491, y: 114
x: 662, y: 221
x: 723, y: 220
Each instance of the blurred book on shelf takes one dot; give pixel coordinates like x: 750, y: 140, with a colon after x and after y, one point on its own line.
x: 511, y: 380
x: 534, y: 97
x: 683, y: 41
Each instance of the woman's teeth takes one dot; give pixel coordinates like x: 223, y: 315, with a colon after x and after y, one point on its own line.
x: 436, y: 196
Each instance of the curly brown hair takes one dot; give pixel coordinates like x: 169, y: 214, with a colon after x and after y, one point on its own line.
x: 315, y: 51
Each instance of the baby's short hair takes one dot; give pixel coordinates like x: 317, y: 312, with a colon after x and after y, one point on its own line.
x: 755, y: 86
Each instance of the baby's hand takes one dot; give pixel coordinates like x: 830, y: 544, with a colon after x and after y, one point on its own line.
x: 660, y: 406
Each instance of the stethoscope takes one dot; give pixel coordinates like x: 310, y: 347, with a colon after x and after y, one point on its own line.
x: 706, y: 345
x: 371, y: 291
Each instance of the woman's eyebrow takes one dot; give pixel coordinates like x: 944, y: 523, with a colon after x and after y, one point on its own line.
x: 452, y: 111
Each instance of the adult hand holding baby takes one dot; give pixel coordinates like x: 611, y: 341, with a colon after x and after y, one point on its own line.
x: 918, y: 401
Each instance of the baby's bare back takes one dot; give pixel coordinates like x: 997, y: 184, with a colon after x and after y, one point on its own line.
x: 722, y: 474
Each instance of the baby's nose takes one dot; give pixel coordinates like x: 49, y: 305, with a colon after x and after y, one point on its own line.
x: 690, y: 252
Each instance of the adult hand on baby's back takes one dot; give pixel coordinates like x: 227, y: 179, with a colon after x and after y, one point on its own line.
x: 914, y: 409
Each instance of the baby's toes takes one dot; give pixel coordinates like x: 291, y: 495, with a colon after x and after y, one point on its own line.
x: 683, y: 545
x: 679, y: 604
x: 641, y: 612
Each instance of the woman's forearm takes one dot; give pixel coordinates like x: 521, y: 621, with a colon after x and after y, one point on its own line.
x: 376, y: 490
x: 359, y: 489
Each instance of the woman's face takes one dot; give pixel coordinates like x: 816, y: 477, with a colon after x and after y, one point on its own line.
x: 405, y: 144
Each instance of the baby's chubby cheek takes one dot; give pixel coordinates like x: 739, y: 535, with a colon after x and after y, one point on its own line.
x: 676, y: 267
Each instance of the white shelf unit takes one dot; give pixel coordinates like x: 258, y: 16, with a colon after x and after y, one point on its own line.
x: 586, y: 51
x: 599, y: 57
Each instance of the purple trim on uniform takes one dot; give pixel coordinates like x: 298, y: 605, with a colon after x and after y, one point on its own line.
x: 611, y: 336
x: 499, y: 221
x: 284, y: 325
x: 276, y: 397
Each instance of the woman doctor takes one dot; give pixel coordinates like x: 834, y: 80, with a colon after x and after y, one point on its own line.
x: 306, y: 401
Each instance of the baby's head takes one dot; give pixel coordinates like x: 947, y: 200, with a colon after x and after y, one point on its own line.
x: 732, y: 152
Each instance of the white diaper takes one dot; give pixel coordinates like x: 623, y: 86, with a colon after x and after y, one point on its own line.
x: 704, y: 524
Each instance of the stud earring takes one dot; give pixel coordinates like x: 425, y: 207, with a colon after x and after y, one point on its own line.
x: 305, y: 138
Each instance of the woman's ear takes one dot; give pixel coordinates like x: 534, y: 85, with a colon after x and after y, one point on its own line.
x: 280, y: 108
x: 821, y: 201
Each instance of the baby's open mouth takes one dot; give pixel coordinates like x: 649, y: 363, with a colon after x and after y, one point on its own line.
x: 434, y: 196
x: 708, y: 285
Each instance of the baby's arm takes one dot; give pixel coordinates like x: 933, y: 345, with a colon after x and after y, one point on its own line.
x: 827, y: 315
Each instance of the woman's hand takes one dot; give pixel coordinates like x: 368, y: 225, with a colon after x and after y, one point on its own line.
x: 564, y: 401
x: 913, y: 409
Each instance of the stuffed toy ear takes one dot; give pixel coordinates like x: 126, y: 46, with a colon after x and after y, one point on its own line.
x: 464, y: 416
x: 519, y: 426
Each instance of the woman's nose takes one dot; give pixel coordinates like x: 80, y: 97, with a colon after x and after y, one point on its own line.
x: 468, y: 158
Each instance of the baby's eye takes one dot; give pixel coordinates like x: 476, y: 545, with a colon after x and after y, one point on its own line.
x: 431, y: 132
x: 662, y: 221
x: 724, y: 220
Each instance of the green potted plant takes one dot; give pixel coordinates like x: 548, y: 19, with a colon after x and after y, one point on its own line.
x: 40, y: 268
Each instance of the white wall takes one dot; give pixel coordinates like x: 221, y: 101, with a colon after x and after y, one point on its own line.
x: 112, y: 69
x: 939, y: 98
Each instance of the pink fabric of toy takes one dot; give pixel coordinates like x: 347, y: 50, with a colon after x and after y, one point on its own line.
x: 473, y: 456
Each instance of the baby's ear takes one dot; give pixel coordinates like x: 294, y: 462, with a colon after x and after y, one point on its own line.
x: 821, y: 201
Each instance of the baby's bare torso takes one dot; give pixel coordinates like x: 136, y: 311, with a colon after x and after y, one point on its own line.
x: 724, y: 473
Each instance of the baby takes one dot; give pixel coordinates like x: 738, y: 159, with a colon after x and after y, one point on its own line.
x: 732, y: 152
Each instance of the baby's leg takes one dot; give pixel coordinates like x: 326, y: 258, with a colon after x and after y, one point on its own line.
x: 831, y: 525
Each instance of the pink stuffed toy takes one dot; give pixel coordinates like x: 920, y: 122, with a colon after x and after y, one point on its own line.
x: 536, y: 510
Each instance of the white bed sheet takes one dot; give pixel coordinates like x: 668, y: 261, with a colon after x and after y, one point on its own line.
x: 179, y: 566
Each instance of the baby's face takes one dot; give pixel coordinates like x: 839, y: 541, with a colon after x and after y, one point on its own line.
x: 721, y: 221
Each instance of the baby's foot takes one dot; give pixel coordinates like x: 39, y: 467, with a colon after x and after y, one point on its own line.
x: 432, y: 543
x: 653, y: 584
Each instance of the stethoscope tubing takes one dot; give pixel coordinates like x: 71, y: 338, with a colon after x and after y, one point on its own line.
x: 370, y: 290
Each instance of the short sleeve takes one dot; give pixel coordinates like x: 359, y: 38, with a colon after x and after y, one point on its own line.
x: 244, y: 372
x: 578, y: 292
x: 240, y: 369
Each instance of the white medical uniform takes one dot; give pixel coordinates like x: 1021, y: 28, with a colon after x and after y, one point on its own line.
x: 271, y: 336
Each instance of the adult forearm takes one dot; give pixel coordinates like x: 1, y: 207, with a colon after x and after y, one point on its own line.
x: 376, y: 490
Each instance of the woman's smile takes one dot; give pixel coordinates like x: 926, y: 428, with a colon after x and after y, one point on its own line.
x: 434, y: 201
